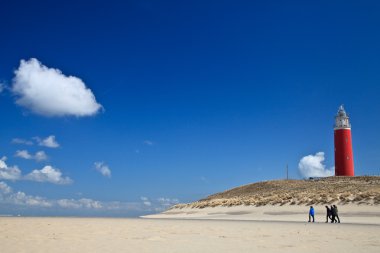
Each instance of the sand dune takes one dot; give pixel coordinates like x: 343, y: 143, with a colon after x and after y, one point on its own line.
x: 364, y: 190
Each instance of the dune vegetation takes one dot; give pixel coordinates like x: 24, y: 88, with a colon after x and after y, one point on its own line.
x: 361, y: 190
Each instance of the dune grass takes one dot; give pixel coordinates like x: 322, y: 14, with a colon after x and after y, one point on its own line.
x: 362, y: 190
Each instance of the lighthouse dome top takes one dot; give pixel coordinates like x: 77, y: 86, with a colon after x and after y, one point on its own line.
x: 341, y: 119
x: 341, y: 111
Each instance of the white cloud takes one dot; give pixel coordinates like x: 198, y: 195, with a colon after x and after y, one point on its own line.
x: 68, y: 203
x: 8, y: 196
x: 4, y: 188
x: 9, y: 172
x: 13, y: 198
x: 312, y: 166
x: 39, y: 156
x: 80, y: 203
x: 103, y: 169
x: 21, y: 141
x: 146, y: 201
x: 48, y: 92
x: 48, y: 174
x: 20, y: 198
x: 157, y: 205
x: 49, y: 141
x: 165, y: 203
x: 23, y: 154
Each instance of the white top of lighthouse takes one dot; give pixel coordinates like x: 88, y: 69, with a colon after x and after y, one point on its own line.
x: 342, y: 121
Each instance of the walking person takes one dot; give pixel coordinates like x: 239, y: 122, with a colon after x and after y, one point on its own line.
x: 311, y: 213
x: 336, y: 214
x: 328, y: 214
x: 333, y: 214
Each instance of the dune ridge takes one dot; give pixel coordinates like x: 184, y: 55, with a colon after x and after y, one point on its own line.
x: 359, y: 190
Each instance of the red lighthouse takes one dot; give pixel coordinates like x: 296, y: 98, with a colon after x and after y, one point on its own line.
x: 344, y: 159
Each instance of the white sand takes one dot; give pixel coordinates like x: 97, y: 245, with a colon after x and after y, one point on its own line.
x: 19, y: 234
x: 359, y: 214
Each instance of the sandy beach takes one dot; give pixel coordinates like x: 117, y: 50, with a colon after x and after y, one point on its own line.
x: 351, y: 213
x: 23, y: 234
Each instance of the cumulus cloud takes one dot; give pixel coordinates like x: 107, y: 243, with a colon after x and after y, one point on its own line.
x: 48, y: 174
x: 49, y: 142
x: 21, y: 141
x: 2, y: 87
x: 18, y: 198
x: 8, y: 196
x: 80, y: 203
x: 11, y: 197
x: 4, y: 188
x: 39, y: 156
x: 48, y: 92
x: 312, y: 166
x: 103, y: 169
x: 9, y: 172
x: 23, y: 154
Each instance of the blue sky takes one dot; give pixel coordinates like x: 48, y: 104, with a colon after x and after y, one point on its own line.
x: 179, y: 100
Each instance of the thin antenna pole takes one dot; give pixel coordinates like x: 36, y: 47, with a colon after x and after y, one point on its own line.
x: 287, y: 173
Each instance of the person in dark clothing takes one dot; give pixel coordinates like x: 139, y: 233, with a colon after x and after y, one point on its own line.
x: 336, y: 214
x: 333, y: 214
x: 311, y: 213
x: 328, y: 214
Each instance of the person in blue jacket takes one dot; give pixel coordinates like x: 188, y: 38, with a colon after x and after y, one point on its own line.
x: 311, y: 213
